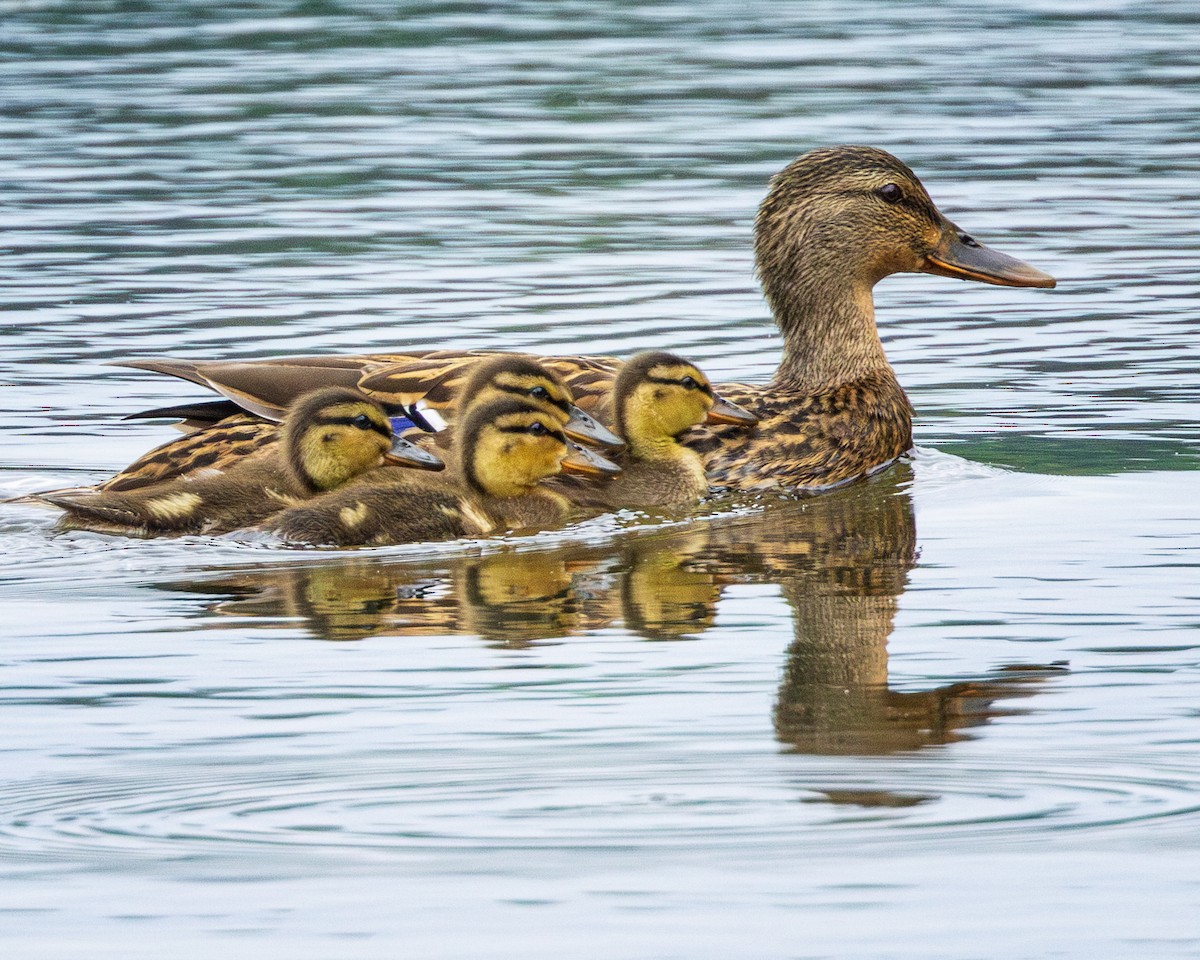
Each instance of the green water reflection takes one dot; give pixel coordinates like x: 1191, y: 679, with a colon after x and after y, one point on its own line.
x: 1085, y: 456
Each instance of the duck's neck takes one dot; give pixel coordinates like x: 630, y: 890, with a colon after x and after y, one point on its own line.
x: 647, y: 438
x: 654, y: 449
x: 828, y: 324
x: 487, y: 481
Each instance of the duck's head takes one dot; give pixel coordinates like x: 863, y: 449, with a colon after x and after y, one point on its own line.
x: 658, y: 396
x: 859, y: 213
x: 517, y: 375
x: 508, y: 444
x: 333, y: 435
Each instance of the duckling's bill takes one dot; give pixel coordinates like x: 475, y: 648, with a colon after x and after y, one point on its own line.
x: 587, y: 429
x: 406, y: 454
x: 587, y: 462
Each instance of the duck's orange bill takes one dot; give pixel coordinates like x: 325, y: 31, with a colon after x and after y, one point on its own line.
x: 406, y: 454
x: 587, y: 462
x: 725, y: 412
x: 958, y: 255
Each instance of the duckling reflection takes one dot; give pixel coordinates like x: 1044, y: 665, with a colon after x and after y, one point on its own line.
x: 664, y: 593
x: 840, y: 560
x: 516, y: 600
x: 340, y: 602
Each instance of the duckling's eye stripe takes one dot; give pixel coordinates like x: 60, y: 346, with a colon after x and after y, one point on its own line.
x: 526, y: 392
x: 703, y: 387
x: 556, y: 434
x: 350, y: 422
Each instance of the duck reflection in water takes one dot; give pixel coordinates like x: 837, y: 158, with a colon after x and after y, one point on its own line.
x: 841, y: 560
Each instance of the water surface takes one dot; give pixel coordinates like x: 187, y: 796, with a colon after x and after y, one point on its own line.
x: 948, y: 712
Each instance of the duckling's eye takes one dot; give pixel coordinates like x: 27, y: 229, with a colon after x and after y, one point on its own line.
x: 363, y: 422
x: 538, y: 429
x: 890, y: 193
x: 689, y: 383
x: 540, y: 393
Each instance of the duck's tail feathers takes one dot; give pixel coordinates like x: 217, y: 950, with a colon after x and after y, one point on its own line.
x: 45, y: 499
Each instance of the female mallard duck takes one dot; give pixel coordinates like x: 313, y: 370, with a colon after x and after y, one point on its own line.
x: 834, y: 223
x: 329, y: 437
x: 504, y: 448
x: 656, y: 399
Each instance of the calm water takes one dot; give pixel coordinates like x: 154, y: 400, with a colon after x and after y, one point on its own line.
x: 950, y: 712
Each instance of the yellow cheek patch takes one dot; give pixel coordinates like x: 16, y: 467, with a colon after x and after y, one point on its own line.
x: 353, y: 516
x: 174, y: 505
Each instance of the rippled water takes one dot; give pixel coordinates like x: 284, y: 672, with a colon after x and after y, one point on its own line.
x: 948, y: 712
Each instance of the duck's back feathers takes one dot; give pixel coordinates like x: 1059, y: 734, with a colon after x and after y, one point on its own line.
x: 808, y: 441
x: 214, y: 447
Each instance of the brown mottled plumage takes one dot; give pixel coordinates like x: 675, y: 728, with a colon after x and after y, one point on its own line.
x: 834, y: 223
x: 483, y: 378
x: 330, y: 437
x: 656, y: 399
x: 505, y: 448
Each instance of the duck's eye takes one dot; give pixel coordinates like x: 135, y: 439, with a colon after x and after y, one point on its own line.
x: 538, y: 429
x: 363, y: 422
x: 689, y: 383
x: 540, y: 393
x: 890, y: 193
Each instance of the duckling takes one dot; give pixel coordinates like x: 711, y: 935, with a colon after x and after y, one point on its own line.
x: 504, y: 448
x: 657, y: 398
x: 834, y: 222
x: 329, y: 437
x: 504, y: 375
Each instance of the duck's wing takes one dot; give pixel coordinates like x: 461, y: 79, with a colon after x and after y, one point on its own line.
x: 437, y: 377
x: 267, y: 387
x: 190, y: 416
x: 263, y: 387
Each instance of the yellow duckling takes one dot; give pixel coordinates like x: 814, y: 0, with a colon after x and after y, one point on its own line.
x: 505, y: 447
x: 656, y: 399
x: 330, y: 437
x: 508, y: 375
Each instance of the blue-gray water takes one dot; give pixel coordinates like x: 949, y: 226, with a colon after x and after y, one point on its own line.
x: 950, y: 712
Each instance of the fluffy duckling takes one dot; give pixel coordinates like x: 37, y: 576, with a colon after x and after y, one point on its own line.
x: 504, y: 448
x: 656, y: 399
x: 329, y: 437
